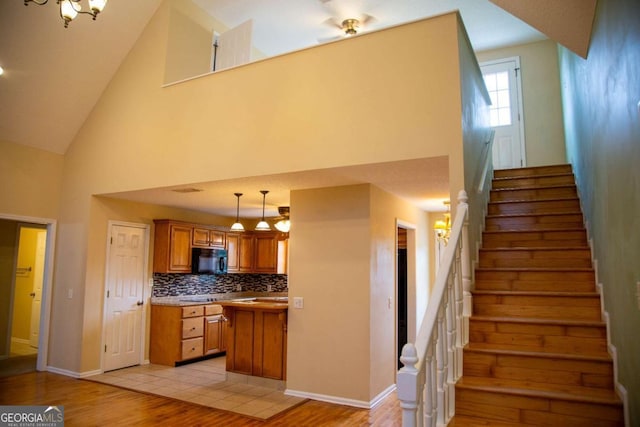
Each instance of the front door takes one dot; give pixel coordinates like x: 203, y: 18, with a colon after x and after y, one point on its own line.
x: 125, y: 296
x: 502, y: 78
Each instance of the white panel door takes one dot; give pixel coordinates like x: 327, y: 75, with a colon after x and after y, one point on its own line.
x: 234, y: 46
x: 124, y: 302
x: 38, y: 280
x: 502, y: 79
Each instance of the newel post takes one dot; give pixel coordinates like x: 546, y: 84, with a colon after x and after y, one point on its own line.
x: 409, y: 388
x: 465, y: 265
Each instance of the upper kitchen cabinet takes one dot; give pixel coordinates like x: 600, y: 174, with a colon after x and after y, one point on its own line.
x: 208, y: 237
x: 256, y: 252
x: 172, y: 247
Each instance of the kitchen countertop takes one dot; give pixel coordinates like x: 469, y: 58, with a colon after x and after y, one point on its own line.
x: 268, y: 303
x: 187, y: 300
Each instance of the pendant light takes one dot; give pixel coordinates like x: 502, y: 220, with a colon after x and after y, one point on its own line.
x: 262, y: 225
x: 237, y: 226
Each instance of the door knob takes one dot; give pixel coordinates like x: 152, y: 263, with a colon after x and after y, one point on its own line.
x: 32, y: 294
x: 139, y: 303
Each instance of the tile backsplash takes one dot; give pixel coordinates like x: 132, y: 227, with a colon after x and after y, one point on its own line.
x: 166, y: 285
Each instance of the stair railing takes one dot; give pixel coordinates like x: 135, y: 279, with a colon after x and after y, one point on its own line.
x: 433, y: 364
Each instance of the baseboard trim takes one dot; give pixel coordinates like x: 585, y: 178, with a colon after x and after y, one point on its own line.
x: 341, y: 400
x: 73, y: 374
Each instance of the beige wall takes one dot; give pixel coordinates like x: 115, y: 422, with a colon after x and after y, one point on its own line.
x: 30, y: 181
x: 343, y: 263
x: 543, y: 126
x: 601, y: 96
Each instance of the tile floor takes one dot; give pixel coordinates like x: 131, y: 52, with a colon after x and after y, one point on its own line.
x: 204, y: 383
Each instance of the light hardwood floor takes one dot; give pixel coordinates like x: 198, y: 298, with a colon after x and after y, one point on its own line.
x: 88, y: 403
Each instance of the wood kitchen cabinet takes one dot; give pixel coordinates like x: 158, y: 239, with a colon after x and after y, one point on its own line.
x: 208, y: 238
x: 172, y: 247
x: 215, y: 328
x: 180, y: 333
x: 257, y: 339
x: 254, y: 252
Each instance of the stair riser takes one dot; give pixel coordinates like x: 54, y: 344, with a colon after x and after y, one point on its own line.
x: 580, y: 373
x: 538, y: 307
x: 568, y: 258
x: 578, y: 281
x: 538, y: 411
x: 533, y: 193
x: 534, y: 239
x: 537, y: 222
x: 528, y: 182
x: 564, y: 339
x: 534, y: 207
x: 533, y: 172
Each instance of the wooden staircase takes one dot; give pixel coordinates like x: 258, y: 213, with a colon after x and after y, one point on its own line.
x: 537, y: 352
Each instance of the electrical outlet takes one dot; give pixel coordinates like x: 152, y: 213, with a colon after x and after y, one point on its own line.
x: 151, y: 283
x: 238, y: 287
x: 298, y: 302
x: 268, y: 288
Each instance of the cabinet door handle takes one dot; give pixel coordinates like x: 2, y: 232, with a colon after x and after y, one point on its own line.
x: 139, y: 303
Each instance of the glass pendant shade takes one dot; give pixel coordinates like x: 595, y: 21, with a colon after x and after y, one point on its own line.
x: 284, y: 225
x: 68, y: 10
x: 263, y: 225
x: 237, y: 226
x: 96, y: 6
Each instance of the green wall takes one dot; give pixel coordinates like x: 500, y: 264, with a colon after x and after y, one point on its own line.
x: 601, y: 101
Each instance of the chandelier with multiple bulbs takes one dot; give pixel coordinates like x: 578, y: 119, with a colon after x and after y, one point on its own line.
x: 70, y: 9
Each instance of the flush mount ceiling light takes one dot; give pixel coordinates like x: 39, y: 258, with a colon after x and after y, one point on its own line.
x: 237, y: 226
x: 262, y: 225
x: 69, y: 9
x: 283, y: 224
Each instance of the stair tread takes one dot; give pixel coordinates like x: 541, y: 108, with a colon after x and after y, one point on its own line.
x: 475, y: 348
x: 534, y: 269
x: 468, y: 421
x: 525, y: 214
x: 539, y: 321
x: 535, y: 230
x: 537, y: 248
x: 537, y: 200
x: 536, y: 293
x: 542, y: 390
x: 534, y: 187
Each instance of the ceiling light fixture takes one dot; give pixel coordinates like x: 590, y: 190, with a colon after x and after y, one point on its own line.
x: 283, y: 224
x: 263, y: 225
x: 237, y: 226
x: 69, y: 9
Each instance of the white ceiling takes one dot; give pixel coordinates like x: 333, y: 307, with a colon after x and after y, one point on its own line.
x: 54, y: 76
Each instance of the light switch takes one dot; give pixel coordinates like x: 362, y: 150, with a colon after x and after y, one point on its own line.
x: 70, y: 293
x: 151, y: 283
x: 298, y: 302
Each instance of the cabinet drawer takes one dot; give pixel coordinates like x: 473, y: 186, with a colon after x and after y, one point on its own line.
x: 193, y: 311
x: 211, y: 310
x: 193, y: 327
x: 192, y: 348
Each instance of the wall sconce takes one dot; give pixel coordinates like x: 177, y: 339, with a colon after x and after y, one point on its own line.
x: 443, y: 227
x: 263, y: 225
x: 237, y: 226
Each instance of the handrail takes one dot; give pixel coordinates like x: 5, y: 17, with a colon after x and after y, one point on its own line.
x: 433, y: 363
x: 486, y: 155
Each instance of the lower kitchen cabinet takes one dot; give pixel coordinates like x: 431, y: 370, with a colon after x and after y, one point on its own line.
x: 215, y: 327
x: 180, y: 333
x: 257, y: 341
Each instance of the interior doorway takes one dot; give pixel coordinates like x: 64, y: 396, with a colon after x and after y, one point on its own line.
x: 26, y: 254
x: 401, y: 292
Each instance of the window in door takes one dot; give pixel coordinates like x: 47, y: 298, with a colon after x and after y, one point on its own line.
x: 498, y: 87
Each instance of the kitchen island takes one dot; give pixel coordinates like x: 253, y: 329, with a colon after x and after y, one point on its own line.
x: 256, y: 336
